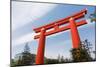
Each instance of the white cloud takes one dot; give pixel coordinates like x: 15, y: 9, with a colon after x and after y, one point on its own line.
x: 23, y: 39
x: 24, y: 12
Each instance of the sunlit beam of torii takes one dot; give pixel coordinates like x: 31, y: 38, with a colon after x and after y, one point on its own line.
x: 55, y: 26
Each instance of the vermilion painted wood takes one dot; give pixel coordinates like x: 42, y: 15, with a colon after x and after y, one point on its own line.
x: 41, y: 48
x: 56, y: 28
x: 82, y: 22
x: 74, y: 33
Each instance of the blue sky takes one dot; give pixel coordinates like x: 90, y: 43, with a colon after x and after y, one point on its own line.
x: 29, y: 15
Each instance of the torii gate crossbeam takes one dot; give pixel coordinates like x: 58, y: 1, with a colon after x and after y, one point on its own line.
x: 73, y: 24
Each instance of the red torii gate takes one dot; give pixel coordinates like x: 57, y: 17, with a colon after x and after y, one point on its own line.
x: 56, y: 28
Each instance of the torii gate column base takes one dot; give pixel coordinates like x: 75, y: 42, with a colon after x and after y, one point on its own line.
x: 41, y: 48
x: 74, y: 33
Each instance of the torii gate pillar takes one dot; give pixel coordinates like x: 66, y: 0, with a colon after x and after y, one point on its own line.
x: 74, y: 33
x: 41, y: 48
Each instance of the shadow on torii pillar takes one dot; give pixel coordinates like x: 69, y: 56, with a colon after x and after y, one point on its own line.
x: 56, y: 28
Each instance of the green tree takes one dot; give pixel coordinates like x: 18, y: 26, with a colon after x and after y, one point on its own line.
x: 59, y: 59
x: 26, y: 58
x: 92, y: 17
x: 81, y: 54
x: 26, y: 48
x: 51, y: 61
x: 13, y: 63
x: 62, y: 59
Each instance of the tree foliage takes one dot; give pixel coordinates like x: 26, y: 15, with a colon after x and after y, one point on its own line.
x: 92, y: 17
x: 82, y: 54
x: 25, y: 58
